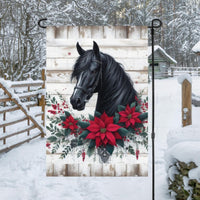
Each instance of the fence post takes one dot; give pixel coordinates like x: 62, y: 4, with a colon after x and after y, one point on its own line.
x: 4, y: 115
x: 28, y: 122
x: 186, y: 103
x: 42, y: 100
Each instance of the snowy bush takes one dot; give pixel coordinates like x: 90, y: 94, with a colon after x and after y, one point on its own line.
x: 183, y: 163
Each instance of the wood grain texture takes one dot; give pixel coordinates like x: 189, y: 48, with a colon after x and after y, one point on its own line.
x: 187, y: 102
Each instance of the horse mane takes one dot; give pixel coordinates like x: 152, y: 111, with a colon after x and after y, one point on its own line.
x: 82, y: 63
x: 117, y: 86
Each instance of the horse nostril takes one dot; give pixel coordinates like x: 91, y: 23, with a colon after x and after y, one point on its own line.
x: 78, y: 100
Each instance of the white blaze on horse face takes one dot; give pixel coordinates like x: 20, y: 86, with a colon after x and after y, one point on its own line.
x: 79, y: 80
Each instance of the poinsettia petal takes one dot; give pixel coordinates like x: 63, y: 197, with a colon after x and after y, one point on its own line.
x: 91, y: 136
x: 128, y: 124
x: 136, y: 114
x: 98, y: 142
x: 113, y: 127
x: 99, y: 122
x: 98, y: 134
x: 128, y: 109
x: 104, y: 116
x: 117, y: 136
x: 103, y: 135
x: 133, y: 109
x: 123, y: 113
x: 132, y: 121
x: 93, y: 128
x: 138, y: 120
x: 123, y: 119
x: 111, y: 138
x: 105, y: 141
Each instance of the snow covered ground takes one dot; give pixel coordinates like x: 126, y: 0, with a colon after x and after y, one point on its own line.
x: 22, y: 170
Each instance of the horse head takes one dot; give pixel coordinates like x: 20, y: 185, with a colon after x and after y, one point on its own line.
x: 87, y: 71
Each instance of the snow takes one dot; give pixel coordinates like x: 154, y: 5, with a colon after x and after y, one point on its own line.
x: 23, y: 171
x: 196, y: 47
x: 183, y: 77
x: 156, y: 47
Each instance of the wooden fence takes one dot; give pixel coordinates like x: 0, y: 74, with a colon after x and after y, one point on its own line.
x: 115, y: 168
x: 24, y: 103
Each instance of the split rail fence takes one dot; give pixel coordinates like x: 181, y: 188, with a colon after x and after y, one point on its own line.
x: 29, y: 106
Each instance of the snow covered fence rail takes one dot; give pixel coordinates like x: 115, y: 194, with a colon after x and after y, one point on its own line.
x: 20, y: 112
x: 177, y: 71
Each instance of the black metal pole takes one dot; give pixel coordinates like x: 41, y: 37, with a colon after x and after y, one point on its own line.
x: 159, y: 24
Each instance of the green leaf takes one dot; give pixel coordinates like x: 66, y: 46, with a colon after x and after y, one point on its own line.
x: 120, y: 142
x: 144, y: 134
x: 131, y: 150
x: 67, y: 114
x: 92, y: 144
x: 123, y: 132
x: 63, y: 118
x: 121, y: 108
x: 90, y: 151
x: 84, y: 134
x: 97, y: 114
x: 116, y: 118
x: 83, y: 124
x: 133, y: 105
x: 143, y: 116
x: 67, y: 132
x: 59, y: 134
x: 91, y: 117
x: 109, y: 148
x: 137, y: 109
x: 52, y: 139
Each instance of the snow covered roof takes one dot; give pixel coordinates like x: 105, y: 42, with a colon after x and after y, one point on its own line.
x: 162, y: 51
x: 196, y: 48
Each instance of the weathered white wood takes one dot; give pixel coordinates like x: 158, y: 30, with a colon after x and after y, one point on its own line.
x: 65, y: 76
x: 59, y: 168
x: 97, y: 169
x: 128, y: 63
x: 144, y: 33
x: 97, y: 32
x: 132, y: 169
x: 71, y: 169
x: 143, y: 169
x: 50, y: 33
x: 116, y: 52
x: 73, y: 32
x: 121, y: 169
x: 101, y: 42
x: 109, y: 32
x: 61, y: 32
x: 134, y: 33
x: 84, y: 32
x: 67, y: 88
x: 84, y: 169
x: 121, y: 32
x: 108, y: 170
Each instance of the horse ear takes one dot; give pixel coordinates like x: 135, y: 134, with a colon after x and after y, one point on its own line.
x: 95, y: 48
x: 79, y: 49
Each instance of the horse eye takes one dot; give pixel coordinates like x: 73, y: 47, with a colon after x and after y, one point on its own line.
x: 93, y: 71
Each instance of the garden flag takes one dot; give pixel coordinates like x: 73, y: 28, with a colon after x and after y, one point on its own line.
x: 97, y: 103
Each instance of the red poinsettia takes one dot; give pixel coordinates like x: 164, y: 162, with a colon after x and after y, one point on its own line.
x: 103, y: 131
x: 129, y: 116
x: 70, y: 123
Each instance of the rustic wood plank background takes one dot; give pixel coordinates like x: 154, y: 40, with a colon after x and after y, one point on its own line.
x: 128, y: 45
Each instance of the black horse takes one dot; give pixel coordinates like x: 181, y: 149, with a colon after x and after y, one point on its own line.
x: 99, y: 72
